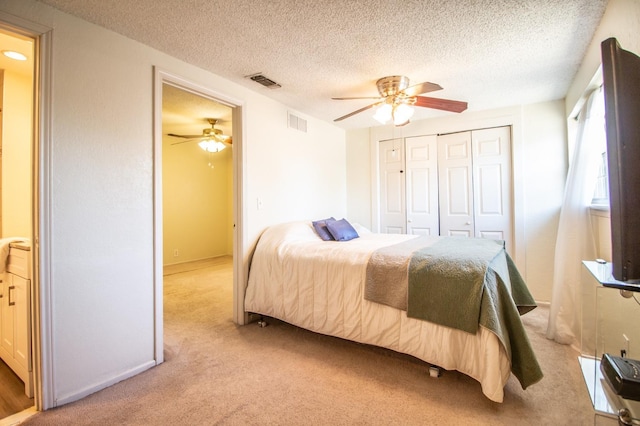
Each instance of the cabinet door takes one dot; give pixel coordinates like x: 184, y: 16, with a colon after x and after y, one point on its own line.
x: 422, y: 185
x: 3, y: 302
x: 22, y: 339
x: 392, y: 187
x: 492, y: 184
x: 455, y: 184
x: 8, y: 323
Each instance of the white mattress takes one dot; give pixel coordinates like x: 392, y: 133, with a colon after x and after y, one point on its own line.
x: 318, y: 285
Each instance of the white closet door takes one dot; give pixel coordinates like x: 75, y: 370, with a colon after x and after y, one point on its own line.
x: 422, y: 185
x: 492, y: 184
x: 392, y: 187
x: 455, y: 184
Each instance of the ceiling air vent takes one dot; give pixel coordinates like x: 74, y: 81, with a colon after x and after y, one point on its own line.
x: 297, y: 123
x: 266, y: 82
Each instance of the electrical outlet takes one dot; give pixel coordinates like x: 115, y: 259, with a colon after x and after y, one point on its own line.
x: 176, y: 253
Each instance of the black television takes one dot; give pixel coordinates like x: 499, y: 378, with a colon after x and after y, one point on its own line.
x: 621, y: 83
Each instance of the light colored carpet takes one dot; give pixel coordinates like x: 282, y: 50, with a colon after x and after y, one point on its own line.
x: 219, y: 373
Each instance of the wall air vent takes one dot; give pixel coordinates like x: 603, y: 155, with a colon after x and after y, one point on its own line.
x: 266, y: 82
x: 297, y: 123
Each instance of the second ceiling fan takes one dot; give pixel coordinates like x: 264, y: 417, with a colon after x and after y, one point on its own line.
x: 211, y: 138
x: 396, y: 98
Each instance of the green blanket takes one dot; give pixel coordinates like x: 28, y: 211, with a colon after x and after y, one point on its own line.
x: 465, y: 283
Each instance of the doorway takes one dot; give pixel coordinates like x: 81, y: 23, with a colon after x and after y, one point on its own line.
x: 197, y: 178
x: 211, y: 180
x: 17, y: 114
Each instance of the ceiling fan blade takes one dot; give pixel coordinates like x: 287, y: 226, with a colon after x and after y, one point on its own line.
x: 443, y: 104
x: 357, y: 111
x: 185, y: 136
x: 184, y: 141
x: 421, y: 88
x: 366, y: 97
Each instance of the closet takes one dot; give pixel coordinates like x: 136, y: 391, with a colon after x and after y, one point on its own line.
x: 457, y: 184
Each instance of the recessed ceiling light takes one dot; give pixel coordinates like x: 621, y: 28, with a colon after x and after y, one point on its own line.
x: 14, y: 55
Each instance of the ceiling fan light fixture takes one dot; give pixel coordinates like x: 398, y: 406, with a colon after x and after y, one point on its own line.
x: 401, y: 114
x: 211, y: 145
x: 383, y: 114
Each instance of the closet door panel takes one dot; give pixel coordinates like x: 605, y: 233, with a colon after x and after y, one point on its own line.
x: 392, y: 187
x: 492, y: 184
x: 455, y: 184
x: 422, y: 185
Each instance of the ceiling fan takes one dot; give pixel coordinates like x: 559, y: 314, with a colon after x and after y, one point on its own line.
x: 397, y: 97
x: 211, y: 139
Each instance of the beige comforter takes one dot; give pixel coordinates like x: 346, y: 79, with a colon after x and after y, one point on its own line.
x: 319, y: 286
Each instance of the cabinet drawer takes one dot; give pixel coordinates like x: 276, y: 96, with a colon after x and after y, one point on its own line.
x: 19, y: 262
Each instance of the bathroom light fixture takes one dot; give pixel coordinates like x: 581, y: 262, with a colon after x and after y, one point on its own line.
x: 14, y: 55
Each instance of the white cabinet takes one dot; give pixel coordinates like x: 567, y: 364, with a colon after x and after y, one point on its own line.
x: 15, y: 315
x: 459, y: 184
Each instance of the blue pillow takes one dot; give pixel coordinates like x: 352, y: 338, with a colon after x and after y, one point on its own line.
x: 341, y: 230
x: 321, y: 228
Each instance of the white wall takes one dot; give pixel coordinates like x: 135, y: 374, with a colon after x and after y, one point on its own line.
x: 16, y: 155
x: 539, y: 169
x: 101, y: 179
x: 359, y: 177
x: 545, y: 165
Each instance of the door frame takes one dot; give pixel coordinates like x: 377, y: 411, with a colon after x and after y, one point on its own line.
x: 161, y: 77
x: 41, y: 302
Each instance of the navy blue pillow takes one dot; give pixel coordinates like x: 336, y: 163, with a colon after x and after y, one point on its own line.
x: 321, y: 228
x: 341, y: 230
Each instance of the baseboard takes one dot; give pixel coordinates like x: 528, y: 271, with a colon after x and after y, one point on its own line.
x: 18, y: 418
x: 65, y: 399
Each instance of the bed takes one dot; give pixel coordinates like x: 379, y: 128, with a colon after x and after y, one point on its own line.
x: 339, y: 288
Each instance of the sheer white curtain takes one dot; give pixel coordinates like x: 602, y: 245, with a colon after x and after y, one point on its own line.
x: 575, y: 241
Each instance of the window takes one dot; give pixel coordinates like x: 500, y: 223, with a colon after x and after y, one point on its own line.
x: 599, y: 143
x: 601, y: 192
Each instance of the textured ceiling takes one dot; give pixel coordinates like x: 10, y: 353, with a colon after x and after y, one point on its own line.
x: 490, y: 53
x: 185, y: 113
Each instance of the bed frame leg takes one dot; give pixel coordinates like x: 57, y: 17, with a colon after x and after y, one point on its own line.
x: 262, y: 323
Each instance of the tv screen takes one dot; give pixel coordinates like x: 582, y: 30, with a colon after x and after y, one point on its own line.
x: 621, y: 79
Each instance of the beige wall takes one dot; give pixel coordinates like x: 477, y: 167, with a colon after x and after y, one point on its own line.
x: 16, y: 155
x: 197, y: 213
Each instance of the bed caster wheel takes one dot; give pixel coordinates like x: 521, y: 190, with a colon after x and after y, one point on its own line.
x: 435, y: 372
x: 262, y: 323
